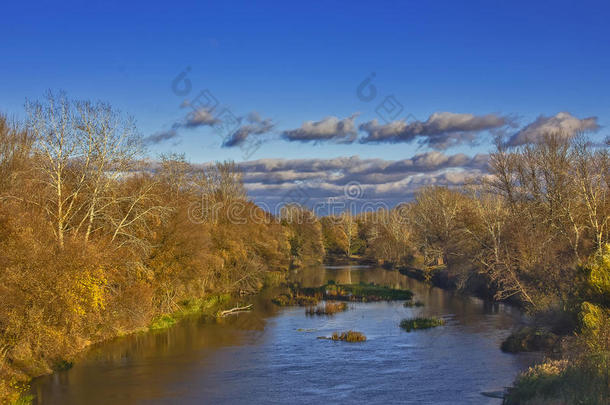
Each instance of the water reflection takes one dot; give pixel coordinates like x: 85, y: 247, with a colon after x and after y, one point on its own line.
x: 261, y: 357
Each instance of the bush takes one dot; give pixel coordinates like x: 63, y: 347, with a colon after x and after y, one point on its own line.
x: 595, y: 326
x: 584, y: 381
x: 529, y: 340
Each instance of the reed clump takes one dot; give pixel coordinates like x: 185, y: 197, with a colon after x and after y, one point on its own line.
x: 329, y: 308
x: 349, y: 336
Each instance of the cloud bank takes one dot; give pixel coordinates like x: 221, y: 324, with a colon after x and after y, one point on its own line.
x: 563, y: 124
x: 316, y: 181
x: 328, y: 129
x: 440, y: 131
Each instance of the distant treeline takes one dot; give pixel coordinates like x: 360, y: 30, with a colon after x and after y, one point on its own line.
x: 95, y: 243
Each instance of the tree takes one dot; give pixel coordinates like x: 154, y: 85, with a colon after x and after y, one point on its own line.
x: 57, y: 146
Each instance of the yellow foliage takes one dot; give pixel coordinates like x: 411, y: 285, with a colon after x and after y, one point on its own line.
x: 595, y: 325
x: 90, y: 291
x: 599, y: 276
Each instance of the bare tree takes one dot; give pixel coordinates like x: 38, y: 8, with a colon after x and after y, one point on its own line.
x: 109, y: 145
x: 493, y: 251
x: 52, y: 125
x: 349, y: 229
x: 590, y: 175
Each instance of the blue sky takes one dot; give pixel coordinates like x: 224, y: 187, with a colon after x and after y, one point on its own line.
x: 295, y: 62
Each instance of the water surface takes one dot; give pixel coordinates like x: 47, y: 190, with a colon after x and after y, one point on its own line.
x: 271, y: 354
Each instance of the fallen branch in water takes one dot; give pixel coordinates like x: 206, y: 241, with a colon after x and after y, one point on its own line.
x: 234, y: 310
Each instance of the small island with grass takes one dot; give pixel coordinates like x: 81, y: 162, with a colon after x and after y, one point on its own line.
x: 349, y: 336
x: 421, y: 323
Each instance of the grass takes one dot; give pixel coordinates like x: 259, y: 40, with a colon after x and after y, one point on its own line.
x: 409, y: 304
x: 285, y: 300
x: 420, y: 323
x: 329, y: 308
x: 349, y: 336
x: 356, y: 292
x: 208, y: 305
x: 163, y: 322
x: 561, y: 382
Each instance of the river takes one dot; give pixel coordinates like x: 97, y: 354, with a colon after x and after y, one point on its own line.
x: 272, y: 355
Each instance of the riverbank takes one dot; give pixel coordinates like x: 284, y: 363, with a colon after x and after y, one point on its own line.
x: 229, y: 361
x: 576, y: 362
x: 209, y: 308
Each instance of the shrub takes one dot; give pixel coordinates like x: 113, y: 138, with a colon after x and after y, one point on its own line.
x: 583, y: 381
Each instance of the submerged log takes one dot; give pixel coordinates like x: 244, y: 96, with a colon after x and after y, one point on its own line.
x: 234, y: 310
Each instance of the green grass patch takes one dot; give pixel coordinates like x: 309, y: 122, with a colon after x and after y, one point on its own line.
x: 420, y: 323
x: 207, y: 306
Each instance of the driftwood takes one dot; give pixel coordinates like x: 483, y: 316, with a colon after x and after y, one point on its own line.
x: 234, y: 310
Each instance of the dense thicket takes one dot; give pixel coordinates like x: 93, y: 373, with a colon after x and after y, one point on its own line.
x: 95, y: 242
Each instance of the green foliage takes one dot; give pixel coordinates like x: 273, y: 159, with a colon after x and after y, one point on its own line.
x: 420, y: 323
x: 409, y: 304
